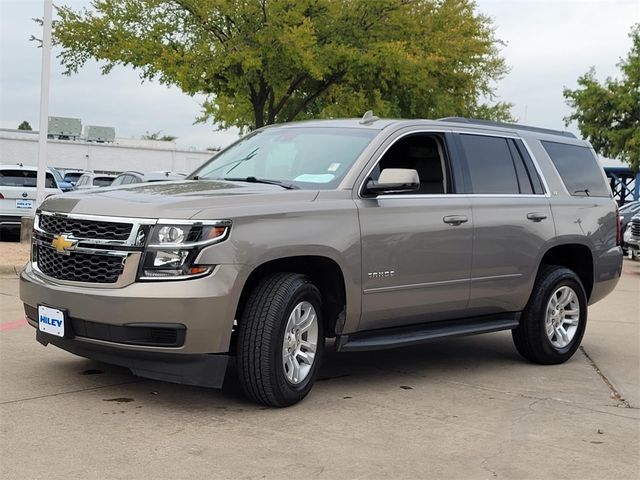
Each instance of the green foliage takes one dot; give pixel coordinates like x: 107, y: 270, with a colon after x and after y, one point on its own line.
x: 608, y: 114
x: 157, y: 136
x: 266, y: 61
x: 24, y: 126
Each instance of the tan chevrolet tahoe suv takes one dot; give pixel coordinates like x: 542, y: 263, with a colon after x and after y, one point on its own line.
x: 376, y: 233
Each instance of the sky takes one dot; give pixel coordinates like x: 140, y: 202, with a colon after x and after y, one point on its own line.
x: 548, y: 45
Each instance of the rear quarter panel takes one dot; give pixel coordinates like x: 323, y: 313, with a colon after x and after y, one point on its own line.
x: 582, y: 220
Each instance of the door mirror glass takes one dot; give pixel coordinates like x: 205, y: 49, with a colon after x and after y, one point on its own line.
x: 393, y: 180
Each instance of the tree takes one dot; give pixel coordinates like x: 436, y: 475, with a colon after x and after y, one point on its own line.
x: 156, y: 136
x: 608, y: 114
x: 24, y: 126
x: 265, y: 61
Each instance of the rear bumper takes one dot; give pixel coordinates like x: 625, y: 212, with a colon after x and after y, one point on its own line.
x: 607, y: 271
x: 188, y: 369
x: 10, y: 221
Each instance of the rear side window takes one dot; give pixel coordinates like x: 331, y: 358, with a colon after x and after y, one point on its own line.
x: 72, y: 177
x: 102, y: 181
x: 24, y: 178
x: 491, y: 167
x: 578, y: 169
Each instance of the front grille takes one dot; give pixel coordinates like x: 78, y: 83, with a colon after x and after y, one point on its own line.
x: 635, y: 228
x: 79, y: 228
x: 79, y: 267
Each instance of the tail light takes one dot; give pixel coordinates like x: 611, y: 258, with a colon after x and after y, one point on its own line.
x: 618, y: 227
x: 1, y: 196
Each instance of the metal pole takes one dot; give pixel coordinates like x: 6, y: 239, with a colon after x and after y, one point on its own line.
x: 44, y: 101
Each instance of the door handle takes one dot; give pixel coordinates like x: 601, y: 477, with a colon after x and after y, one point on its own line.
x: 455, y: 219
x: 536, y: 217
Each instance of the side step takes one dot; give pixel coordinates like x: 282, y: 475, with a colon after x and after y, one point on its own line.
x: 393, y: 337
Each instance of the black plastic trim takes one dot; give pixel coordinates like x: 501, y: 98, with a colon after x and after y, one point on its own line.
x: 204, y: 370
x: 139, y: 333
x: 394, y: 337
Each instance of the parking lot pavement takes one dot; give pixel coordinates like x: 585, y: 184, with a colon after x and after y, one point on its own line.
x: 468, y: 408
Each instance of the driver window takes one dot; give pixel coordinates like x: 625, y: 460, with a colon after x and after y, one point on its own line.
x: 423, y: 153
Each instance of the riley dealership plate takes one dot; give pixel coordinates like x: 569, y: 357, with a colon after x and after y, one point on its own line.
x: 51, y: 320
x: 24, y: 203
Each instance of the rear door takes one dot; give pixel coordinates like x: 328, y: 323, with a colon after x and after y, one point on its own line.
x: 512, y: 221
x: 416, y: 247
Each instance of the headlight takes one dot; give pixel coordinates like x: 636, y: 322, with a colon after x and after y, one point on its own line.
x: 174, y: 247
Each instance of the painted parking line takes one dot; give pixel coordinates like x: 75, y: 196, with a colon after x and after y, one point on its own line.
x: 12, y: 325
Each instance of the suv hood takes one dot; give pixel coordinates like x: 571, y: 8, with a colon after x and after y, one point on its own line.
x: 180, y: 200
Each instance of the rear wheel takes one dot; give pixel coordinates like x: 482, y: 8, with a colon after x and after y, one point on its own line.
x: 280, y: 340
x: 554, y: 320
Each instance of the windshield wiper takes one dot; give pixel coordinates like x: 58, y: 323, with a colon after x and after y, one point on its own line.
x: 288, y: 186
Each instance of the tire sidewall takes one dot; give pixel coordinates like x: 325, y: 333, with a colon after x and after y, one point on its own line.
x: 565, y: 278
x: 289, y: 392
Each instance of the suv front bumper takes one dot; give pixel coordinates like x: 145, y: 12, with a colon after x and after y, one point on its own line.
x: 117, y: 325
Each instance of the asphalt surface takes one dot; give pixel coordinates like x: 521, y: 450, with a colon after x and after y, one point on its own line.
x: 468, y: 408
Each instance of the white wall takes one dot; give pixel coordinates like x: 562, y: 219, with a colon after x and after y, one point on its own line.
x: 124, y: 154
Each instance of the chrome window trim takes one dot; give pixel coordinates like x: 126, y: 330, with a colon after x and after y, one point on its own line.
x: 392, y: 196
x: 398, y: 138
x: 514, y: 136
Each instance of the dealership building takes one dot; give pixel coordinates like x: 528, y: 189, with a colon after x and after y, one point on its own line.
x: 97, y: 149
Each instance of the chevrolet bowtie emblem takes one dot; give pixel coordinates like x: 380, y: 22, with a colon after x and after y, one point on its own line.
x: 62, y: 244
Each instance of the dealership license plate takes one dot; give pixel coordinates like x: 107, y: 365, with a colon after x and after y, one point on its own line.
x: 51, y: 320
x: 24, y: 203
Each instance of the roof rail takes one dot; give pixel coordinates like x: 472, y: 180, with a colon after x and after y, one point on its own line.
x: 514, y: 126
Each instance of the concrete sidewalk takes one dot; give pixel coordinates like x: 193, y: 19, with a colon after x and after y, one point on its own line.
x: 13, y: 257
x: 469, y: 408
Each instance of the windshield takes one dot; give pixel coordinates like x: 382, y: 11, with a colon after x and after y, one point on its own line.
x: 308, y: 157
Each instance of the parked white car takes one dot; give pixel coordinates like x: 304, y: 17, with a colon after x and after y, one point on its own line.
x: 90, y: 180
x: 18, y: 193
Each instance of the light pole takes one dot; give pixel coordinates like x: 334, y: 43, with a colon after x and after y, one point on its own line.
x: 44, y: 101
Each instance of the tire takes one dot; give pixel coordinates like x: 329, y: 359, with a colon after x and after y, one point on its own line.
x: 531, y: 338
x: 262, y: 372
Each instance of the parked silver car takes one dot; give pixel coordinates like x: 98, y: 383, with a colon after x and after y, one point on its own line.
x: 380, y: 233
x: 90, y: 180
x: 131, y: 177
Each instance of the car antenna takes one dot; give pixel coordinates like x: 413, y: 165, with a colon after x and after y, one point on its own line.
x: 368, y: 118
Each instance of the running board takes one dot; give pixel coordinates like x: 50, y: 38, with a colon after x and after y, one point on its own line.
x: 393, y: 337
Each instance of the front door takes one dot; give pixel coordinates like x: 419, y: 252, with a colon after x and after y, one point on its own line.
x: 416, y: 247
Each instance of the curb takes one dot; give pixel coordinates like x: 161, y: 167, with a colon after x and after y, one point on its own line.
x: 11, y: 269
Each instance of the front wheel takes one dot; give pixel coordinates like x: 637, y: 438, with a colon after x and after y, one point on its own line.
x: 280, y: 340
x: 555, y: 318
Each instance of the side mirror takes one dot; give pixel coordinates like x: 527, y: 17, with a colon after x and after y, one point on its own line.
x: 393, y: 180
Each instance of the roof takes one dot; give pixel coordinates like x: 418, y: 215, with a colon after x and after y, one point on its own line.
x: 19, y: 166
x: 449, y: 122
